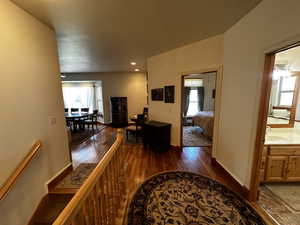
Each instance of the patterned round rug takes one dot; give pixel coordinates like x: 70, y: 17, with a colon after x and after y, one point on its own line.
x: 184, y: 198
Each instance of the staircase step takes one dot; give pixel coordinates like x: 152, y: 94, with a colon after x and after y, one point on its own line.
x: 50, y: 208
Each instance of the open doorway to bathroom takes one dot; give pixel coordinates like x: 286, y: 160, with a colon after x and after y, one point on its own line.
x: 198, y: 106
x: 278, y: 169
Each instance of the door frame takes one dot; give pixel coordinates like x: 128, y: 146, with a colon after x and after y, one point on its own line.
x: 219, y: 78
x: 264, y: 101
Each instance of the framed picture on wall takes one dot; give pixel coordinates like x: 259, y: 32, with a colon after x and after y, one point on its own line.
x: 157, y: 94
x: 169, y: 94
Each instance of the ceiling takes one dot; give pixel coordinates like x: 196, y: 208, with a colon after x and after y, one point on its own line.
x: 289, y: 58
x: 106, y: 35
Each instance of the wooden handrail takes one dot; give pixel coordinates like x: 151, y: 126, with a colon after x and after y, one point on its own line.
x: 5, y: 188
x: 100, y: 193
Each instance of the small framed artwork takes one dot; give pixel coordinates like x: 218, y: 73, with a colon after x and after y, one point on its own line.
x: 169, y: 94
x: 157, y: 94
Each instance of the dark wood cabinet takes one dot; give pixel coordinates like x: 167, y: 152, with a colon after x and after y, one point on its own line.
x: 118, y: 111
x: 157, y: 135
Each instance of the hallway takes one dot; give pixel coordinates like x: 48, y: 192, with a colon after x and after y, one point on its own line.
x: 143, y: 163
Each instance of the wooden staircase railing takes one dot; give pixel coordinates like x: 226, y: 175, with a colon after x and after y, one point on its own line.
x: 5, y: 188
x: 99, y: 199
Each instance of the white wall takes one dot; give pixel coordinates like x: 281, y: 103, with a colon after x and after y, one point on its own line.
x: 272, y: 24
x: 168, y: 68
x: 130, y: 85
x: 30, y: 92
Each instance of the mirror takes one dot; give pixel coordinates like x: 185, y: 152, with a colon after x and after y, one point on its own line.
x: 283, y: 99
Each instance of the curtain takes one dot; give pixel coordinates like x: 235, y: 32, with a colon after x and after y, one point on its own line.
x: 186, y: 96
x: 200, y: 92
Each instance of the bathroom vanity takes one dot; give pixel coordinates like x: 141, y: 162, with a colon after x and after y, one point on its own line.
x: 280, y: 163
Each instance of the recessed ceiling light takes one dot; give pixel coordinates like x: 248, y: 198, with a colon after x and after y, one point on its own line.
x: 136, y: 70
x: 133, y: 63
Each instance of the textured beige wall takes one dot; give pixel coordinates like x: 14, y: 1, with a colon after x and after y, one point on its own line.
x: 30, y: 93
x: 168, y: 68
x: 130, y: 85
x: 271, y: 25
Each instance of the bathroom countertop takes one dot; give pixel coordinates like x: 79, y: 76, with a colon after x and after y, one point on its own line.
x: 281, y: 136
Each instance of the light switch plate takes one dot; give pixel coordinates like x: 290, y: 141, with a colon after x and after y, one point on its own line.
x: 52, y: 120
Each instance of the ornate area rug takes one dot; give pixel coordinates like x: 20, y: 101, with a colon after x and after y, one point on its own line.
x: 184, y: 198
x: 193, y: 137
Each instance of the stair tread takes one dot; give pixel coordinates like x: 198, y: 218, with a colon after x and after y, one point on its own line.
x: 51, y: 209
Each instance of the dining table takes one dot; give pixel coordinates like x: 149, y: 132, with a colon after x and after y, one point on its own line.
x: 74, y: 118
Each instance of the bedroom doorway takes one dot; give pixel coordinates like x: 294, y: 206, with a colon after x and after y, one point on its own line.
x: 198, y: 107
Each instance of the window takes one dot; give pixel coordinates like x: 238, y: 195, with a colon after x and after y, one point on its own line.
x: 286, y: 91
x: 194, y: 101
x: 193, y: 82
x: 193, y: 105
x: 78, y: 96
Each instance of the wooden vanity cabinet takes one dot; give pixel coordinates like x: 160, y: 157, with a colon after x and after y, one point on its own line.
x: 263, y: 164
x: 276, y: 168
x: 293, y: 169
x: 280, y: 164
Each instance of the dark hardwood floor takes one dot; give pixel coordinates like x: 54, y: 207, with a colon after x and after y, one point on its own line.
x: 141, y: 163
x: 93, y: 149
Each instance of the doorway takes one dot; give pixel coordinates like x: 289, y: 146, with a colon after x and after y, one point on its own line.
x: 198, y: 109
x: 276, y: 169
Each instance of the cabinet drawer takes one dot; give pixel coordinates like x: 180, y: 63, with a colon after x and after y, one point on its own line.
x: 284, y: 150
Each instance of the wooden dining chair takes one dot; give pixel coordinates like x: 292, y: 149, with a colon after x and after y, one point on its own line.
x: 137, y: 127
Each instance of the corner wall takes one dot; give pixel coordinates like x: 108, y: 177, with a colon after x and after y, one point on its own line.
x: 271, y: 25
x: 168, y: 68
x: 130, y: 85
x: 30, y: 93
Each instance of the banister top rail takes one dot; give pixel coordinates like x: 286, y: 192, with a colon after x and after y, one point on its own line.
x: 5, y: 188
x: 76, y: 202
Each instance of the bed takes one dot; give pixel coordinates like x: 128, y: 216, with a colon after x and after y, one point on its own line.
x: 205, y: 120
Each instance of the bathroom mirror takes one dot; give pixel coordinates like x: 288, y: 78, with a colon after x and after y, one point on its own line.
x: 283, y: 99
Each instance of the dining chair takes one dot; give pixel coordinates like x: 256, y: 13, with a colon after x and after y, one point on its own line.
x: 145, y: 113
x: 137, y: 127
x: 74, y: 110
x: 92, y: 120
x: 85, y: 110
x: 66, y: 110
